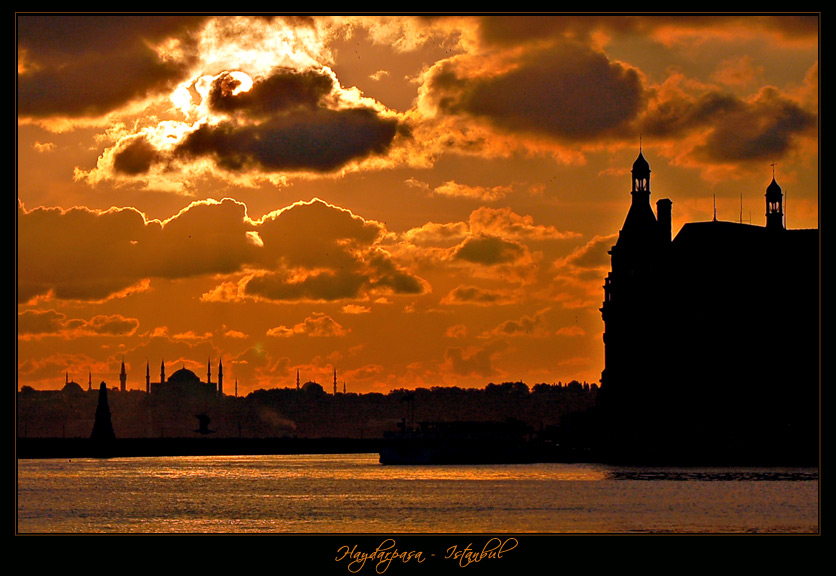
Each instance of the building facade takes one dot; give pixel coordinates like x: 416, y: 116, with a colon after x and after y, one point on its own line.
x: 711, y: 337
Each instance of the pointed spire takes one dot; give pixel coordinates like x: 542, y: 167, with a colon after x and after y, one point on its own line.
x: 774, y: 204
x: 102, y: 425
x: 641, y: 174
x: 123, y: 377
x: 220, y: 376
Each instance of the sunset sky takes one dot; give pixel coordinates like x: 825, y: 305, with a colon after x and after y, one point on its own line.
x: 413, y: 201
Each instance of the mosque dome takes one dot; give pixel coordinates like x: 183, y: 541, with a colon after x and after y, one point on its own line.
x: 183, y: 376
x: 72, y: 389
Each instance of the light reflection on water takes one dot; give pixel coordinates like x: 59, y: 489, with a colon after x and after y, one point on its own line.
x: 354, y: 493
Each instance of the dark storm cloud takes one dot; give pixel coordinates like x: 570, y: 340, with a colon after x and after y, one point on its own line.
x: 283, y: 90
x: 320, y: 140
x: 488, y: 250
x: 679, y: 115
x: 740, y: 130
x: 761, y: 131
x: 568, y: 92
x: 135, y: 156
x: 389, y: 278
x: 476, y: 295
x: 80, y: 65
x: 515, y: 30
x: 527, y: 29
x: 328, y: 286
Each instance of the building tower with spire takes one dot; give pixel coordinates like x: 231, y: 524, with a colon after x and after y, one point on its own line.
x: 162, y: 371
x: 774, y: 205
x: 147, y: 377
x: 631, y: 287
x: 710, y: 336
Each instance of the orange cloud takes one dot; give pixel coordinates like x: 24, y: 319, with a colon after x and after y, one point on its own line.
x: 477, y: 361
x: 317, y: 326
x: 88, y: 65
x: 570, y: 92
x: 309, y: 251
x: 528, y: 325
x: 40, y: 323
x: 479, y: 296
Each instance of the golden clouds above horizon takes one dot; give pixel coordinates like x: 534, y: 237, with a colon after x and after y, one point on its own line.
x: 308, y: 251
x: 414, y: 197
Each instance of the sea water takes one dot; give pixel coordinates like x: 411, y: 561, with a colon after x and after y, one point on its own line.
x: 353, y: 493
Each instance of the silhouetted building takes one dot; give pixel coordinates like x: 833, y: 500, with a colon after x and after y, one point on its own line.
x: 712, y: 338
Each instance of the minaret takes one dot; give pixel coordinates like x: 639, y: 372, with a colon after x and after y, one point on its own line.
x: 335, y: 381
x: 209, y: 371
x: 297, y: 379
x: 89, y: 381
x: 123, y: 377
x: 236, y: 387
x: 162, y: 372
x: 774, y: 205
x: 147, y: 378
x: 220, y: 377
